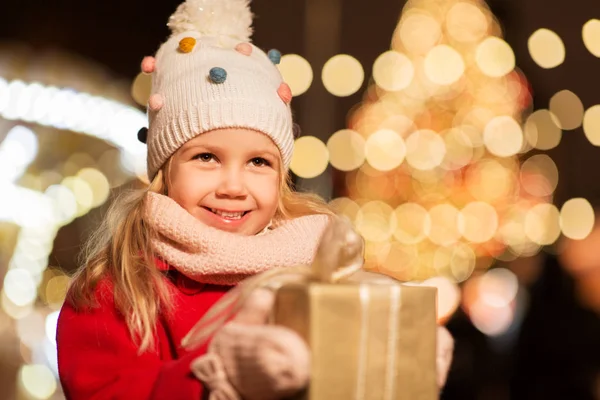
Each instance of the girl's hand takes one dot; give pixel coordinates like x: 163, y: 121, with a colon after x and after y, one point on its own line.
x: 251, y: 360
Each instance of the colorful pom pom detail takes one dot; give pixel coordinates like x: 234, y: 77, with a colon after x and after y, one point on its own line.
x: 143, y: 135
x: 155, y: 102
x: 148, y: 65
x: 217, y: 75
x: 275, y: 56
x: 244, y: 48
x: 285, y: 93
x: 186, y: 45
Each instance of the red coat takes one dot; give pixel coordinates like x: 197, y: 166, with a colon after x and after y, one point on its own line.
x: 98, y: 360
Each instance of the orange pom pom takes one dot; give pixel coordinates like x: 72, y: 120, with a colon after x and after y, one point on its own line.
x: 285, y: 93
x: 186, y: 45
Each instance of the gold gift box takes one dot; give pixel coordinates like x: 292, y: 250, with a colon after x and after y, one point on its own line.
x: 368, y: 341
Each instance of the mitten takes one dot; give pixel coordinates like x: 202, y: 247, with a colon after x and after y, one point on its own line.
x: 251, y: 360
x: 445, y: 350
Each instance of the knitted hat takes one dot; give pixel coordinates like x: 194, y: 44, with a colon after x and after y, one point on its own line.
x: 207, y: 76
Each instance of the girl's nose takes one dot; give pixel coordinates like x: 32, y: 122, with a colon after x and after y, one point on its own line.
x: 232, y: 184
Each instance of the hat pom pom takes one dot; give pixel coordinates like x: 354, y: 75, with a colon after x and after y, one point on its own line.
x: 231, y: 18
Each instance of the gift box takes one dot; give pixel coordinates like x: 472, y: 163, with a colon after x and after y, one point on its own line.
x: 368, y: 341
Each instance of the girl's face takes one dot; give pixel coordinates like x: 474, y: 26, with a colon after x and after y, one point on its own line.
x: 228, y: 179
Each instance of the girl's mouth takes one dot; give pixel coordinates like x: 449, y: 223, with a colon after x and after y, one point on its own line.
x: 228, y: 215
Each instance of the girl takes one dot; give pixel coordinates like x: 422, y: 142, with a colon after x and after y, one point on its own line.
x: 218, y: 209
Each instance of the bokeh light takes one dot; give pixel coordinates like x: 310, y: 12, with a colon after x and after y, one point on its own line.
x: 346, y: 150
x: 568, y: 109
x: 577, y: 218
x: 393, y: 71
x: 591, y: 36
x: 342, y: 75
x: 539, y: 175
x: 466, y: 22
x: 444, y: 65
x: 542, y: 224
x: 385, y: 150
x: 375, y: 221
x: 141, y: 88
x: 425, y: 149
x: 413, y: 223
x: 444, y: 224
x: 591, y: 124
x: 37, y: 381
x: 546, y: 48
x: 417, y: 32
x: 542, y: 130
x: 310, y: 157
x: 478, y: 222
x: 503, y: 136
x: 495, y: 57
x: 296, y: 72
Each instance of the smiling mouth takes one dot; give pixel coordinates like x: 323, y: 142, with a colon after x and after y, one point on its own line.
x: 233, y: 215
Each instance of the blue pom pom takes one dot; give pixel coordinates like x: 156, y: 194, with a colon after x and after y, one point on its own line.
x: 217, y: 75
x: 274, y: 56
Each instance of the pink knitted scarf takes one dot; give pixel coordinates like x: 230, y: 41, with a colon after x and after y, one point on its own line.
x: 209, y: 255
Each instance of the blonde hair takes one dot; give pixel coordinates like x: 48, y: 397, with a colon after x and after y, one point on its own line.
x: 120, y: 250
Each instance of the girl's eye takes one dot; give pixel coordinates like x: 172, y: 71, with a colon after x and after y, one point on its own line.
x: 259, y: 162
x: 205, y: 157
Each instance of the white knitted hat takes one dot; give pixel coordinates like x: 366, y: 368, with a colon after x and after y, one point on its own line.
x: 208, y: 76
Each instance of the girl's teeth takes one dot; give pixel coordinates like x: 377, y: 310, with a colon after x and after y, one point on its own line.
x: 228, y: 215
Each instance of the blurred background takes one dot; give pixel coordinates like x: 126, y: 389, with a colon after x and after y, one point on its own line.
x: 460, y: 136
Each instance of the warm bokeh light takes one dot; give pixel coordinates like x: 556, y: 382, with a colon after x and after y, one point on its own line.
x: 591, y: 36
x: 444, y: 225
x: 542, y: 224
x: 577, y: 218
x: 310, y: 157
x: 425, y: 149
x: 342, y: 75
x: 413, y: 223
x: 444, y: 65
x: 346, y: 150
x: 393, y: 71
x: 417, y: 32
x: 546, y: 48
x: 98, y: 182
x: 141, y: 88
x: 495, y: 57
x: 385, y: 150
x: 345, y: 206
x: 591, y: 124
x: 459, y: 149
x: 462, y: 262
x: 466, y: 22
x: 489, y: 180
x: 376, y: 221
x: 37, y: 382
x: 568, y: 109
x: 498, y: 287
x: 503, y: 136
x: 542, y: 130
x: 478, y: 222
x: 539, y: 175
x: 296, y: 72
x: 448, y: 296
